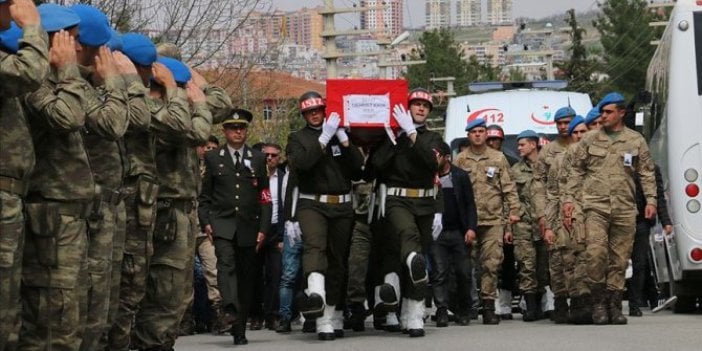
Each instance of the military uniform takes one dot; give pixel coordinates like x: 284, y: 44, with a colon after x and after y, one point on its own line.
x: 18, y: 75
x: 601, y: 173
x: 493, y: 187
x: 325, y: 213
x: 236, y: 203
x: 60, y: 198
x: 106, y: 123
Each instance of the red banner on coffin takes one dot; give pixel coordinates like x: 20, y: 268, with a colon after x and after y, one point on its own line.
x: 365, y: 103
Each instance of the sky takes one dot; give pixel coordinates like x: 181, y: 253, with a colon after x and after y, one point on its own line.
x: 415, y: 8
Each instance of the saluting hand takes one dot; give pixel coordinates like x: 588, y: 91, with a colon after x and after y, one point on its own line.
x: 24, y: 13
x: 194, y: 93
x: 198, y: 79
x: 124, y: 65
x: 105, y: 66
x: 63, y: 50
x: 163, y: 76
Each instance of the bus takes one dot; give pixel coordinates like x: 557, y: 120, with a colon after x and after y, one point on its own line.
x: 673, y: 127
x: 513, y: 106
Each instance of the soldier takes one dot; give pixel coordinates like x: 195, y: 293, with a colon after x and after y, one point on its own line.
x: 450, y: 251
x: 324, y: 162
x: 409, y: 168
x: 235, y: 210
x: 593, y: 120
x: 170, y: 283
x: 106, y: 123
x: 545, y: 198
x: 527, y: 238
x: 23, y: 69
x: 508, y: 273
x: 489, y: 174
x: 59, y: 200
x: 602, y: 169
x: 169, y: 116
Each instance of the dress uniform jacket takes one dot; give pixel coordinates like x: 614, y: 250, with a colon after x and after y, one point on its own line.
x: 233, y: 198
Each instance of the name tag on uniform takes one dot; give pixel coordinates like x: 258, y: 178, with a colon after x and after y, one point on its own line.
x: 628, y: 159
x: 336, y: 150
x: 490, y: 172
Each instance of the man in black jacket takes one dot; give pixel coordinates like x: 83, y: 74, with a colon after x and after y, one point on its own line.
x: 460, y: 217
x: 642, y: 280
x: 235, y: 210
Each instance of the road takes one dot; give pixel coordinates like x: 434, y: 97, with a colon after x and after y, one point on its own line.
x: 660, y: 332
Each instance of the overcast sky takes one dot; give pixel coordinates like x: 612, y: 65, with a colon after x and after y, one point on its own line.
x: 414, y: 9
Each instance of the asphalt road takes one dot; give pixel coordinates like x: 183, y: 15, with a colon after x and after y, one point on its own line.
x: 660, y: 332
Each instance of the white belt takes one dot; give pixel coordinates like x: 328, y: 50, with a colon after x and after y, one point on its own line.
x: 328, y: 199
x: 409, y: 192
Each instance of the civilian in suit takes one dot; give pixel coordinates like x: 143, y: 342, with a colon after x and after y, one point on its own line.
x: 235, y: 210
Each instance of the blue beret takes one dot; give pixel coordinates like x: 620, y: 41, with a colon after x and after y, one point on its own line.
x: 564, y: 112
x: 480, y: 122
x: 611, y: 98
x: 181, y: 72
x: 9, y: 38
x: 574, y: 123
x: 55, y: 17
x: 530, y: 134
x: 139, y: 48
x: 592, y: 115
x: 94, y: 28
x: 115, y: 43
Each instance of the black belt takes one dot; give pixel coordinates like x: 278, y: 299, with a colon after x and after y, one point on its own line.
x: 12, y: 185
x: 185, y: 205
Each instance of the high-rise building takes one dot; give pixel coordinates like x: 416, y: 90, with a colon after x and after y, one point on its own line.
x: 499, y: 12
x: 304, y: 27
x: 385, y: 17
x: 468, y: 12
x: 438, y: 14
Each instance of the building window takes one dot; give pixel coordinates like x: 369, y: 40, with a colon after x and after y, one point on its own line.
x: 267, y: 112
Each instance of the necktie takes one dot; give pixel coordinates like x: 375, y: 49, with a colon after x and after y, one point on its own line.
x: 237, y: 164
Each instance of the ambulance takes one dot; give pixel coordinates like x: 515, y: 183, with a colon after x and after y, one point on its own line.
x: 515, y: 107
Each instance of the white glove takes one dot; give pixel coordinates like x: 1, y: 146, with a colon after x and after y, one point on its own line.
x: 342, y: 136
x: 293, y: 232
x: 329, y: 128
x: 437, y: 226
x: 404, y: 119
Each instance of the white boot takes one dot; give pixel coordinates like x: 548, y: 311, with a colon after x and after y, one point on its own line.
x: 391, y: 323
x: 415, y: 317
x: 417, y: 266
x: 338, y: 323
x: 547, y: 300
x: 404, y: 313
x: 504, y: 304
x: 316, y: 295
x: 389, y: 292
x: 325, y: 327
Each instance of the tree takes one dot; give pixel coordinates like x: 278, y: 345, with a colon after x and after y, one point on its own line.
x: 580, y: 69
x: 444, y: 59
x: 625, y: 35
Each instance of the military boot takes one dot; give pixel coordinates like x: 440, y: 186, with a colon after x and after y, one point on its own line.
x: 599, y: 305
x: 586, y: 303
x: 529, y: 315
x: 576, y: 310
x: 442, y: 318
x: 489, y: 316
x: 560, y: 310
x: 615, y: 308
x: 358, y: 316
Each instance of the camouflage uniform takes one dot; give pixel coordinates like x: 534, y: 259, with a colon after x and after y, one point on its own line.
x: 19, y: 74
x: 526, y: 234
x: 170, y: 283
x: 602, y: 172
x: 106, y: 123
x: 546, y: 196
x: 60, y: 197
x: 169, y: 117
x: 493, y: 186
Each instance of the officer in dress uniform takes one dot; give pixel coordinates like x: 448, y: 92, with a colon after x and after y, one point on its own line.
x: 235, y: 209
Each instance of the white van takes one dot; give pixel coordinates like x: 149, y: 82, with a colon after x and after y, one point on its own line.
x: 513, y: 106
